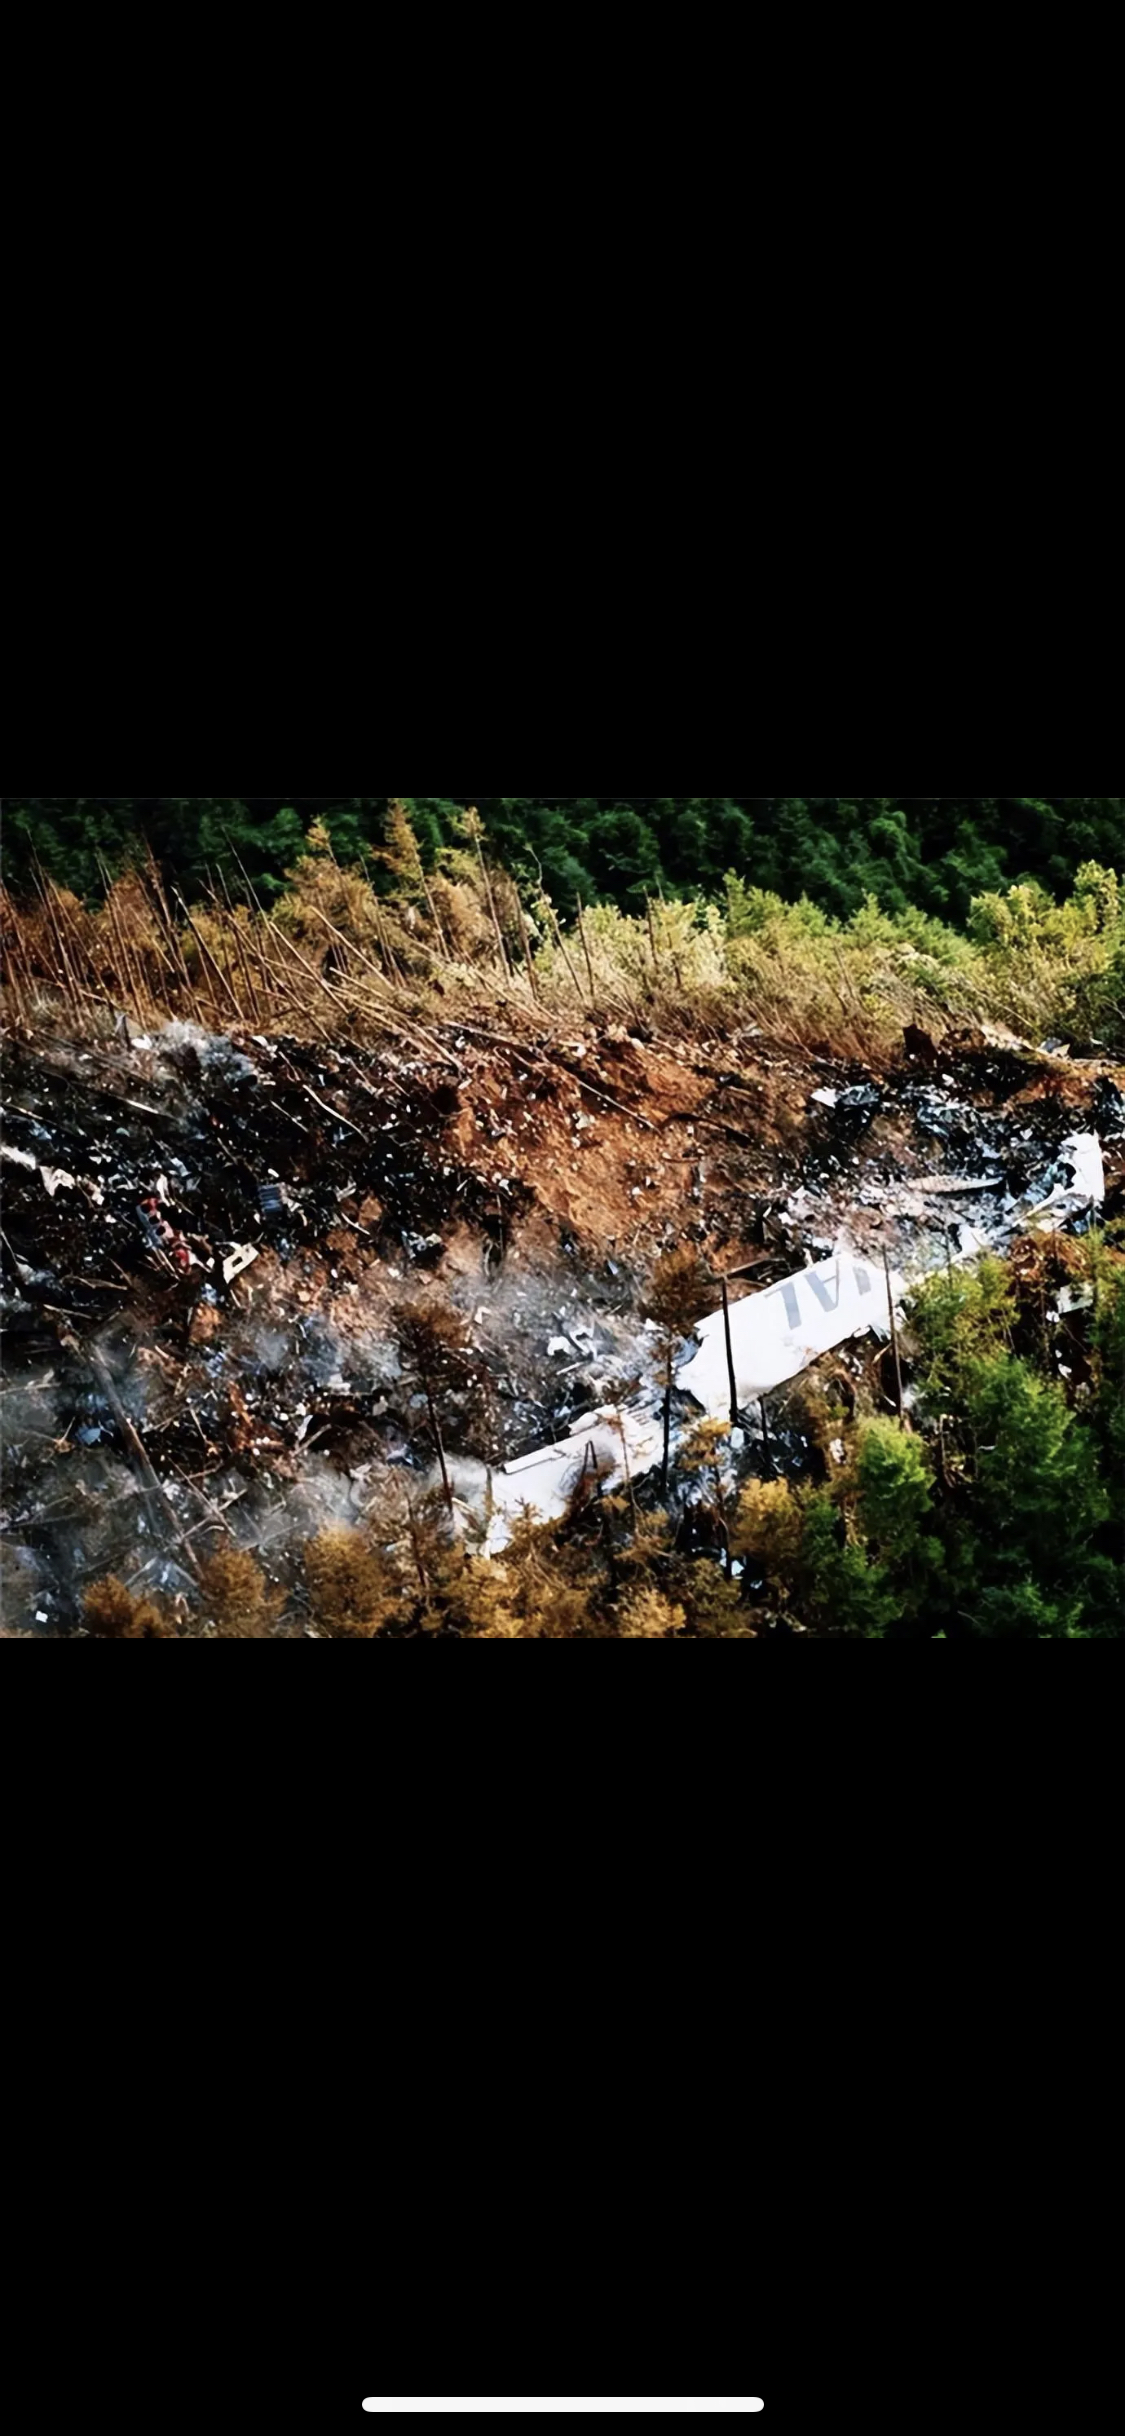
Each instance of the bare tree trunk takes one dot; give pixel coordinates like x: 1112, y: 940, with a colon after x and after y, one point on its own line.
x: 607, y: 1529
x: 129, y: 983
x: 586, y: 951
x: 677, y: 967
x: 485, y: 875
x: 439, y: 1442
x: 12, y: 982
x: 731, y: 1372
x: 216, y: 968
x: 173, y: 936
x: 240, y: 951
x: 153, y: 1485
x: 431, y: 901
x: 566, y: 956
x: 667, y: 1472
x: 69, y: 982
x: 724, y: 1526
x: 527, y: 957
x: 419, y: 1561
x: 394, y: 968
x: 900, y: 1397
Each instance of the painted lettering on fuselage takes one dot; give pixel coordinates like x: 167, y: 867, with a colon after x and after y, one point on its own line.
x: 828, y: 1291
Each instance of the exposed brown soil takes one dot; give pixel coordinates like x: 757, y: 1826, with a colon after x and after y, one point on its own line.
x: 529, y: 1182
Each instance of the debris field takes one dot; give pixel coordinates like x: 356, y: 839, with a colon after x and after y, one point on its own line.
x: 205, y: 1241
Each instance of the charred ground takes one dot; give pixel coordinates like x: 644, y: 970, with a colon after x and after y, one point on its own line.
x: 157, y: 1408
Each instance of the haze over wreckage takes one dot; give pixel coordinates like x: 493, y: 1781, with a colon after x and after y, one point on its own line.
x: 397, y: 1248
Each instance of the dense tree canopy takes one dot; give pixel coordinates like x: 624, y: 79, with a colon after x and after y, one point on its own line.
x: 936, y: 852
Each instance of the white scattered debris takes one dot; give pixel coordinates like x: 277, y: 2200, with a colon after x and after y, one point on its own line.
x: 240, y: 1258
x: 949, y: 1186
x: 1083, y: 1184
x: 777, y: 1335
x: 559, y: 1345
x: 827, y: 1098
x: 614, y: 1442
x: 774, y: 1336
x: 54, y: 1179
x: 1076, y: 1298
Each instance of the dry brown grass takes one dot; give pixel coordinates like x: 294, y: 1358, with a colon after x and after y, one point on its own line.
x: 338, y: 958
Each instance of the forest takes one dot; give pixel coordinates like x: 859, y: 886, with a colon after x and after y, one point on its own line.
x: 935, y: 853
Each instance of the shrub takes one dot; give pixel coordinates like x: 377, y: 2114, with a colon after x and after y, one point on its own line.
x: 113, y: 1613
x: 352, y: 1596
x: 238, y: 1600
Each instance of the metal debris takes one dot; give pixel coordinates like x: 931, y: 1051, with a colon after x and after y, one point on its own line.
x: 338, y: 1173
x: 237, y: 1261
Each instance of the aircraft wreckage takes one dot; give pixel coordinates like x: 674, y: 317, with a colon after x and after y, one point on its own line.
x: 774, y: 1336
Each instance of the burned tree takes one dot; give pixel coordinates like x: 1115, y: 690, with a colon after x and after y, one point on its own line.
x: 704, y: 1459
x: 680, y: 1289
x: 433, y: 1349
